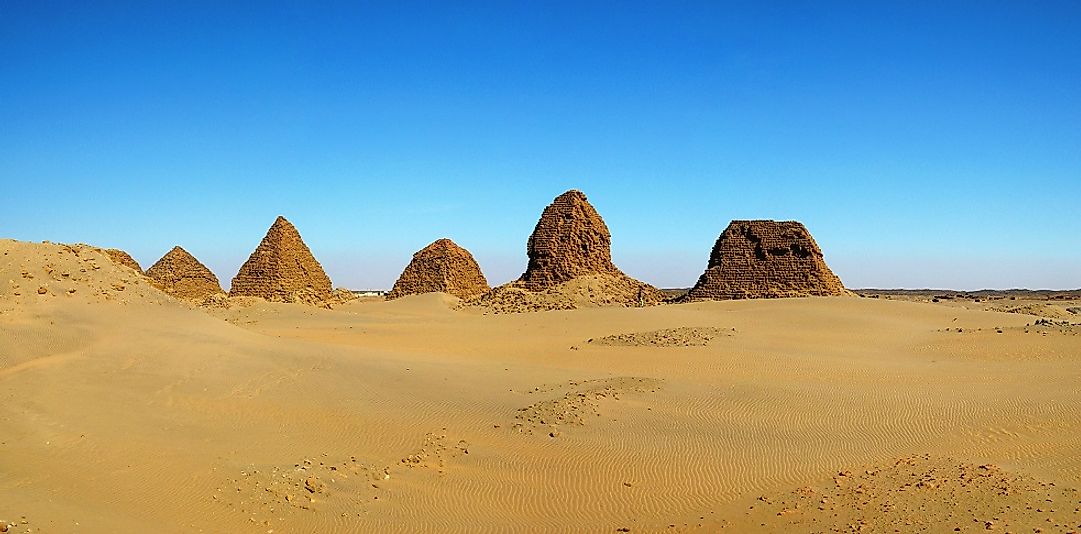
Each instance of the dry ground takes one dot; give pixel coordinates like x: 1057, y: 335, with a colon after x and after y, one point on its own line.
x: 125, y: 412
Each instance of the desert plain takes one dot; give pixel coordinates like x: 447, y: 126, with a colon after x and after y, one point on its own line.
x: 127, y: 410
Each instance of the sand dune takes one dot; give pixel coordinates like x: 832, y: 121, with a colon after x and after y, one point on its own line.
x: 128, y: 411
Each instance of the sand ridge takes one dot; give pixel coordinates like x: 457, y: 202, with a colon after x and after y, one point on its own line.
x: 38, y: 273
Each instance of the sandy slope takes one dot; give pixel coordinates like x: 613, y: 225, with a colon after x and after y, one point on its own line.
x: 138, y: 414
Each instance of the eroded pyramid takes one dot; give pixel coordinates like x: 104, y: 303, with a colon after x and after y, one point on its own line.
x: 570, y: 265
x: 441, y: 266
x: 765, y: 259
x: 179, y: 274
x: 282, y: 269
x: 570, y: 240
x: 123, y: 258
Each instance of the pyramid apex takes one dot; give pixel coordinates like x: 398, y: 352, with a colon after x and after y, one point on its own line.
x: 443, y: 242
x: 572, y: 194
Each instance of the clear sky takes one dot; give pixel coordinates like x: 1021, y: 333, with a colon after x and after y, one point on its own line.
x: 924, y: 144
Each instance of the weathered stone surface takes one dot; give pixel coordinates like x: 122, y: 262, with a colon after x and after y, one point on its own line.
x: 570, y: 265
x: 570, y: 240
x: 282, y: 269
x: 765, y: 259
x: 123, y: 258
x: 179, y: 274
x: 441, y: 266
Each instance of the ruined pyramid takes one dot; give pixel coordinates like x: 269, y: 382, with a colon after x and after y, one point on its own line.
x: 570, y: 265
x: 765, y: 259
x: 570, y: 240
x: 182, y: 276
x: 441, y: 266
x: 282, y: 269
x: 123, y: 258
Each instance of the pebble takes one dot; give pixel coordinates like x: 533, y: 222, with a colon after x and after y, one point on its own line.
x: 313, y: 485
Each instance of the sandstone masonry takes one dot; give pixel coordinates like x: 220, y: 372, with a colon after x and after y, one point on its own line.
x: 765, y: 259
x: 282, y: 269
x: 441, y: 266
x: 179, y: 274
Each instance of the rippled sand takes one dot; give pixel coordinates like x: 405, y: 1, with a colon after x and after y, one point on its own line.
x: 132, y: 413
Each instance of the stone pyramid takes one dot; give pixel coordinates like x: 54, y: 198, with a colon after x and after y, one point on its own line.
x: 441, y: 266
x: 123, y: 258
x: 181, y: 275
x: 570, y: 240
x: 765, y: 259
x: 282, y: 269
x: 570, y: 265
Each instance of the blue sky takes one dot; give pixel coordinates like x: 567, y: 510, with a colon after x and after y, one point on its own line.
x: 924, y: 144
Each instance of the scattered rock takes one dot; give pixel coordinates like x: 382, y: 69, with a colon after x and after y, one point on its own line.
x: 915, y: 494
x: 314, y: 485
x: 670, y: 337
x: 580, y: 401
x: 435, y: 452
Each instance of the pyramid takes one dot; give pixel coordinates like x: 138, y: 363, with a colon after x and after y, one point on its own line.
x: 181, y: 275
x: 123, y: 258
x: 570, y: 265
x: 441, y: 266
x: 282, y: 269
x: 570, y: 240
x: 765, y: 259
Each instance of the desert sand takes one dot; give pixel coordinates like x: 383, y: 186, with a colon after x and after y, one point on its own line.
x: 126, y: 410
